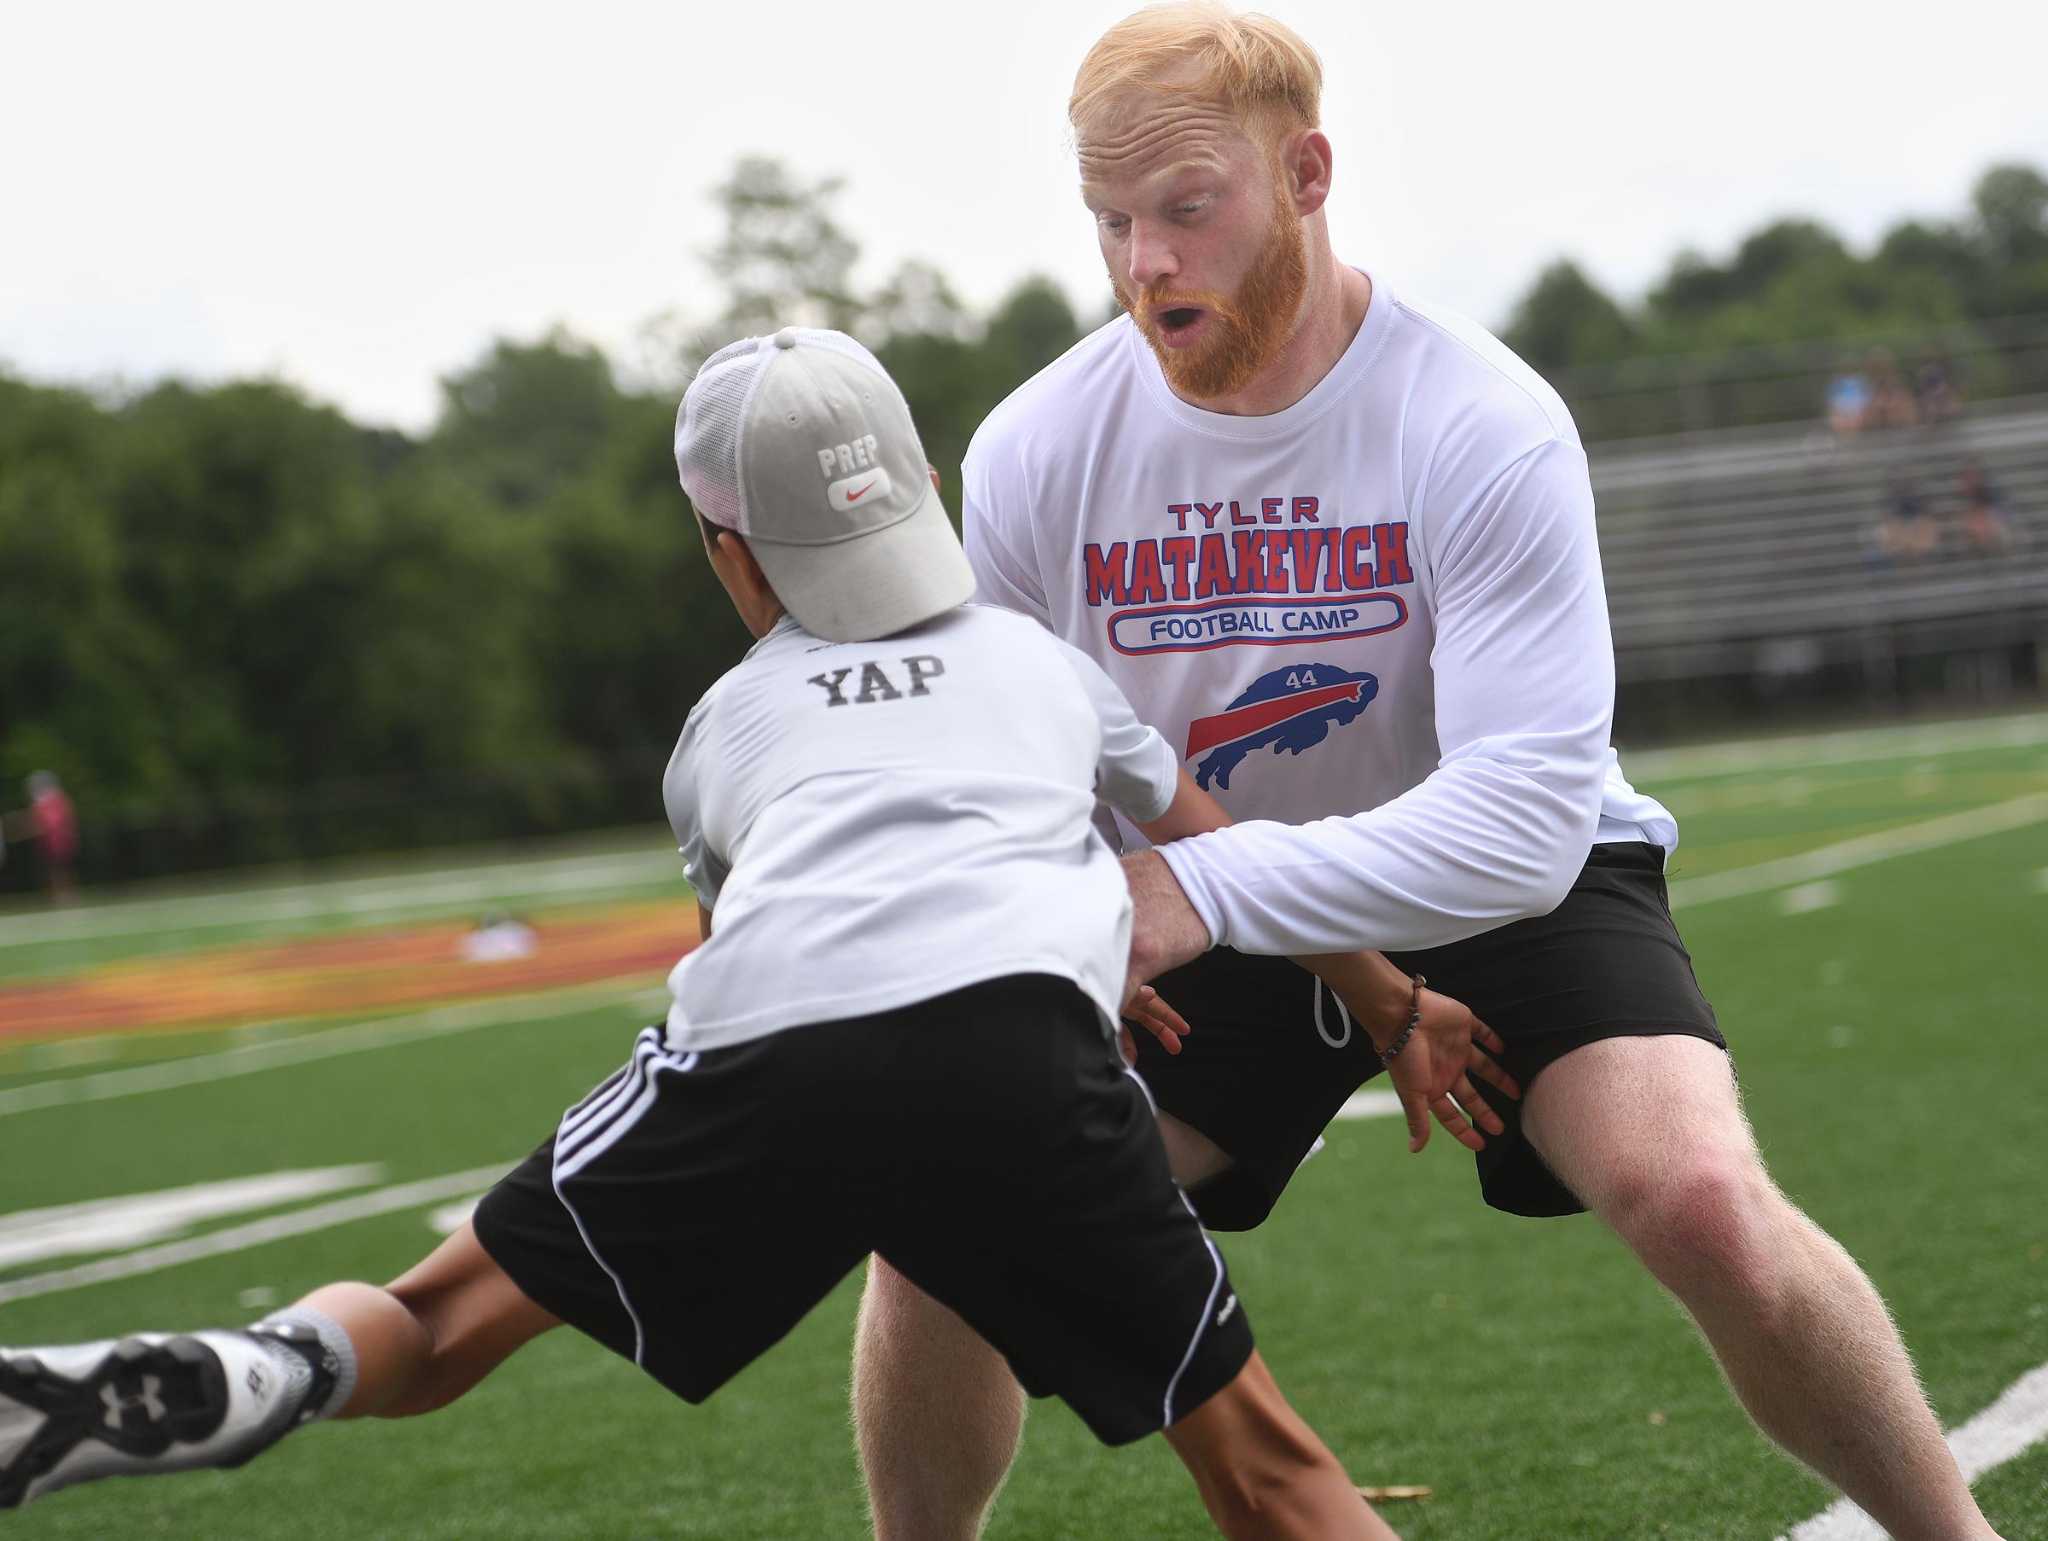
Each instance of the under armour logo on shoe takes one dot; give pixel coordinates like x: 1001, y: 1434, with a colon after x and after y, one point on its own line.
x: 151, y: 1404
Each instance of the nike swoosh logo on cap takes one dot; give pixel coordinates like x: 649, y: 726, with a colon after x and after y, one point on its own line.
x: 844, y: 495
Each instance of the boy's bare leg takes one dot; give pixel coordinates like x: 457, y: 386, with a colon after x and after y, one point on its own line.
x: 1261, y: 1470
x: 156, y: 1402
x: 434, y: 1331
x: 1263, y: 1473
x: 936, y: 1413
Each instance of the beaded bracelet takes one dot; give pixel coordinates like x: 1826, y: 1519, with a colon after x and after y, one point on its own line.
x: 1401, y: 1038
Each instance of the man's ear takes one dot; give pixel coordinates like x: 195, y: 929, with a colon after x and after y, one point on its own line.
x: 1305, y: 162
x: 933, y: 472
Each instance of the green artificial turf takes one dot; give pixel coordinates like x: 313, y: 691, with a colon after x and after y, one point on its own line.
x: 1887, y: 1035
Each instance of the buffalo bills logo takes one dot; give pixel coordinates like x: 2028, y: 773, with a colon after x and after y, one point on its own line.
x: 1291, y: 709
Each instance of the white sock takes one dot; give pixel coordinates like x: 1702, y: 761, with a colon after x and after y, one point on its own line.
x: 338, y: 1352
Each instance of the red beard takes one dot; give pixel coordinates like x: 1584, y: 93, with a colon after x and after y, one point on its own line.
x: 1247, y: 327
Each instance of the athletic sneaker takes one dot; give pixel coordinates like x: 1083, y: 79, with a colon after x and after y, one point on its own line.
x: 151, y: 1403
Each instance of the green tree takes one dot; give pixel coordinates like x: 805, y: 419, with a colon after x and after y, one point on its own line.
x: 1567, y: 319
x: 2010, y: 204
x: 72, y: 698
x: 784, y: 259
x: 1031, y: 326
x: 1796, y: 281
x: 952, y: 383
x: 917, y: 301
x: 527, y: 417
x: 633, y: 627
x: 421, y: 657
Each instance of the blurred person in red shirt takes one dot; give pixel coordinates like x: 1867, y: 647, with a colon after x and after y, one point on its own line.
x: 50, y: 819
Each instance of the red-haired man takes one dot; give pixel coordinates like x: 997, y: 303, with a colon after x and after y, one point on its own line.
x: 1338, y: 546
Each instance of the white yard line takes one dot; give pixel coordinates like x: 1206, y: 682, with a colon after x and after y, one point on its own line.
x: 134, y: 1219
x: 2016, y: 1421
x: 249, y: 1058
x: 358, y: 899
x: 239, y: 1238
x: 448, y: 1218
x: 1850, y: 747
x: 1907, y: 840
x: 1808, y: 897
x: 1370, y: 1104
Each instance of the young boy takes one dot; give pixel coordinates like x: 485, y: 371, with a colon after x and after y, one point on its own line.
x: 897, y: 1037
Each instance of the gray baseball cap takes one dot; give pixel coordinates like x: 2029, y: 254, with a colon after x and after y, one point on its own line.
x: 802, y: 444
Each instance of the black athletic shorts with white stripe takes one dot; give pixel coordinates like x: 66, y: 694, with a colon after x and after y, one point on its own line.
x: 1272, y: 1056
x: 989, y: 1143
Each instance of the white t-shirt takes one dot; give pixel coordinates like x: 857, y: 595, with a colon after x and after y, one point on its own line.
x: 877, y: 823
x: 1373, y: 623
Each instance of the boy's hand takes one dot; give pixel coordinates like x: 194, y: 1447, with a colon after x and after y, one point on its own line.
x: 1147, y: 1010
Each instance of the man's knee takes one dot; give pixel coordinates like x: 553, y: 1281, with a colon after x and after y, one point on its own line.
x: 1649, y: 1133
x: 1702, y: 1218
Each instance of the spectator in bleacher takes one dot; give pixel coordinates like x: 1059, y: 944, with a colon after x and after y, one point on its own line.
x: 1936, y: 394
x: 1848, y: 403
x: 1891, y: 398
x: 1983, y: 527
x: 1909, y: 533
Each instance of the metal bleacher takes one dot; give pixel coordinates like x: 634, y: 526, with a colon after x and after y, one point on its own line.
x: 1751, y: 552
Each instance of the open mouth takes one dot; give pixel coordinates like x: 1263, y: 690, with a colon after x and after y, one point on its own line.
x: 1178, y: 319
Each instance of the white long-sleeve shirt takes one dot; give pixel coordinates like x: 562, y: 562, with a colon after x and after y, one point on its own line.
x: 1372, y: 623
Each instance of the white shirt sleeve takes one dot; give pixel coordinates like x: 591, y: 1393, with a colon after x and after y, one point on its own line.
x: 1524, y: 683
x: 1000, y: 577
x: 1137, y: 773
x: 706, y: 870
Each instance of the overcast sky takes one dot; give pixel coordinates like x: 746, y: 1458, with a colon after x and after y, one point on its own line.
x: 357, y: 198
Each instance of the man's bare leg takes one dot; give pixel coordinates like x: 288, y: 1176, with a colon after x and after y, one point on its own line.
x: 1263, y: 1473
x: 936, y: 1413
x: 158, y: 1403
x: 1650, y: 1134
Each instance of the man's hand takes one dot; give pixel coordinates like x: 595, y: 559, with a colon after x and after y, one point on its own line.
x: 1165, y: 930
x: 1433, y: 1074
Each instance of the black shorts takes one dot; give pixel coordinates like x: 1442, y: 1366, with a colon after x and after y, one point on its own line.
x: 1272, y: 1056
x: 989, y: 1143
